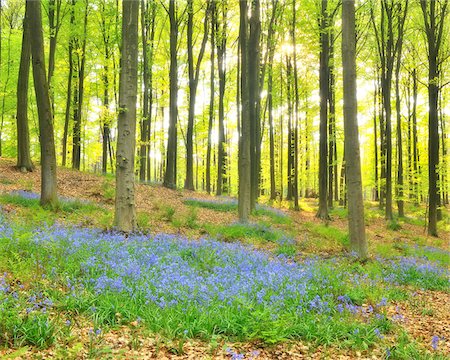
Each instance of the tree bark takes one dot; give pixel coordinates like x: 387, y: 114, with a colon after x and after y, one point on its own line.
x: 125, y: 210
x: 170, y: 176
x: 244, y: 139
x: 194, y: 73
x: 324, y: 82
x: 221, y: 31
x: 434, y: 14
x: 356, y: 225
x: 24, y: 162
x: 47, y: 143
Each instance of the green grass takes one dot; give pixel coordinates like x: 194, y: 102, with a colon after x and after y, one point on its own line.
x: 275, y: 215
x: 328, y: 232
x: 251, y: 232
x: 216, y: 206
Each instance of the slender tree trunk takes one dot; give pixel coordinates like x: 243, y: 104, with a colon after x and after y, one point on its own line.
x: 434, y: 14
x: 144, y: 123
x: 24, y: 162
x: 211, y: 105
x: 332, y: 150
x: 68, y: 106
x: 253, y: 71
x: 5, y: 87
x: 244, y: 139
x: 221, y: 30
x: 194, y: 73
x: 296, y: 106
x: 47, y: 143
x: 324, y: 82
x: 170, y: 176
x: 79, y: 93
x: 125, y: 210
x: 273, y: 190
x: 400, y: 202
x: 416, y: 163
x: 375, y: 142
x: 291, y: 133
x: 356, y: 224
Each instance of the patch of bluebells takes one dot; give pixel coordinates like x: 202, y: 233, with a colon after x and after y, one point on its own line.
x: 30, y: 195
x: 168, y: 275
x: 418, y: 271
x: 432, y: 249
x: 435, y: 342
x: 171, y: 271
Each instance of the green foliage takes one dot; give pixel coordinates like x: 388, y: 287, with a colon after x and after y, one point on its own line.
x: 168, y: 213
x: 212, y: 205
x: 245, y: 232
x: 191, y: 219
x: 327, y: 232
x: 108, y: 189
x: 143, y: 220
x: 393, y: 225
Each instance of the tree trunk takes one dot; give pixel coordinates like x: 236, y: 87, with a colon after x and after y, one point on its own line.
x: 211, y: 105
x: 47, y: 143
x: 244, y: 139
x: 221, y: 30
x: 324, y: 82
x: 376, y: 196
x: 357, y: 234
x: 434, y: 15
x: 400, y: 202
x: 125, y: 210
x: 79, y: 94
x: 253, y: 71
x: 24, y: 162
x: 296, y: 106
x: 170, y: 176
x: 194, y: 73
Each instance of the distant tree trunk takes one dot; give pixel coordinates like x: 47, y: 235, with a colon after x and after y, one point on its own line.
x: 389, y: 38
x: 68, y: 101
x: 253, y: 71
x: 221, y: 30
x: 148, y: 16
x: 270, y: 57
x: 79, y: 94
x: 356, y: 224
x: 273, y: 190
x: 48, y: 156
x: 434, y: 14
x: 211, y: 101
x: 24, y: 162
x: 291, y: 133
x: 5, y: 87
x: 170, y: 176
x: 332, y: 149
x: 400, y: 202
x: 296, y: 105
x: 343, y: 183
x: 281, y: 148
x: 194, y: 73
x: 244, y: 139
x: 416, y: 163
x: 324, y: 82
x: 125, y: 210
x: 444, y: 177
x: 375, y: 141
x: 54, y: 19
x: 106, y: 132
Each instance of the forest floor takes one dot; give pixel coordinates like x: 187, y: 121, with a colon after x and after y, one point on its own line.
x: 396, y: 305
